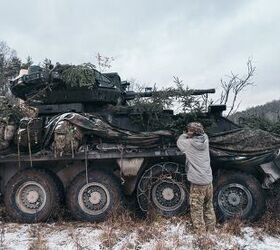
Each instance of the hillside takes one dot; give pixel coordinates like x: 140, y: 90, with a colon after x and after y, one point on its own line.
x: 269, y: 111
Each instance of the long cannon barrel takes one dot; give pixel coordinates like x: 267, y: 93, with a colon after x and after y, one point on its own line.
x: 177, y: 92
x: 130, y: 95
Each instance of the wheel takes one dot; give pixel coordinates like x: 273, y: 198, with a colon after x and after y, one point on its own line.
x: 96, y: 200
x: 162, y: 188
x: 238, y: 195
x: 31, y: 195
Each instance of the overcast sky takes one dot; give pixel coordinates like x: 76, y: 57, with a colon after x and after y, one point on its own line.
x: 153, y: 40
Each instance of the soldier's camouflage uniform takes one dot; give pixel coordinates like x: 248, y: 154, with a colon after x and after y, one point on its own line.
x: 202, y: 211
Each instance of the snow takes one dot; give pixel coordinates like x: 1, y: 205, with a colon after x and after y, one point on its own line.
x: 157, y: 235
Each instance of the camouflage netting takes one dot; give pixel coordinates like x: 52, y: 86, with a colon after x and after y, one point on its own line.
x: 39, y: 82
x: 245, y: 142
x: 83, y: 75
x: 12, y: 110
x: 67, y: 138
x: 10, y: 115
x: 103, y: 130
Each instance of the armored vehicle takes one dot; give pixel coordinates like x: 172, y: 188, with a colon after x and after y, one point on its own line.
x: 87, y: 148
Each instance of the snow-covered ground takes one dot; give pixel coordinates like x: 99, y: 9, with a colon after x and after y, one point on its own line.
x: 161, y: 234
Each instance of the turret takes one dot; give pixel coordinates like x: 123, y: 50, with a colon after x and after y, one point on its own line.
x: 52, y: 91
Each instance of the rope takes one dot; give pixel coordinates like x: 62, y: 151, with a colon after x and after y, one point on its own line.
x: 29, y: 144
x: 121, y: 149
x: 86, y: 162
x: 18, y: 149
x: 72, y: 148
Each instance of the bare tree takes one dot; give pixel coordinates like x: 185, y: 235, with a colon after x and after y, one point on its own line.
x: 47, y: 63
x: 104, y: 62
x: 232, y: 87
x: 28, y: 62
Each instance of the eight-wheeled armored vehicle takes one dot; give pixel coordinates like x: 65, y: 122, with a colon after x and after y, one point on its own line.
x: 87, y: 148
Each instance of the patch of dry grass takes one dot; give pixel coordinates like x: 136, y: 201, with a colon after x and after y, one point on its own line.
x: 269, y: 223
x: 38, y: 242
x: 232, y: 227
x: 204, y: 242
x: 75, y: 237
x: 160, y: 245
x: 109, y: 237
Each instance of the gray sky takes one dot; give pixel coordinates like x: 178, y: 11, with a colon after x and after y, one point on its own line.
x: 198, y: 41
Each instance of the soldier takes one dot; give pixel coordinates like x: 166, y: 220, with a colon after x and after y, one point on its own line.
x: 195, y: 145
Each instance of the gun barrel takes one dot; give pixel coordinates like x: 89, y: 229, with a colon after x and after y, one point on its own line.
x: 177, y: 92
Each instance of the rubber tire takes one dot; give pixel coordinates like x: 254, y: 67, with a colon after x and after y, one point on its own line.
x: 254, y: 187
x: 105, y: 178
x: 59, y: 184
x: 171, y: 168
x: 52, y: 195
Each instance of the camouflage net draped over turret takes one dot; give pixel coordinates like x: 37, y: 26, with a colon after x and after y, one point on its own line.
x: 37, y: 82
x: 82, y: 75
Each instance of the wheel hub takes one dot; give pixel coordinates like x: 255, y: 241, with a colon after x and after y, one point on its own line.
x: 234, y: 199
x: 30, y: 197
x: 94, y: 198
x: 168, y: 195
